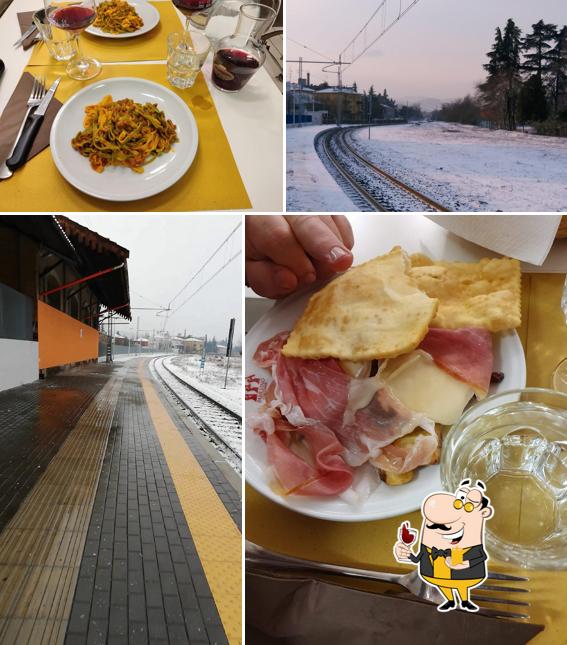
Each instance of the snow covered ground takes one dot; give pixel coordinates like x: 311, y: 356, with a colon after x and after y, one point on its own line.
x: 309, y: 186
x: 211, y: 380
x: 467, y: 168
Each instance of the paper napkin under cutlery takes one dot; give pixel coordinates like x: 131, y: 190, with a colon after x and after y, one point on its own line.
x: 11, y: 119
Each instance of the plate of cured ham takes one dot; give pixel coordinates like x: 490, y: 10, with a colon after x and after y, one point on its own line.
x: 360, y: 440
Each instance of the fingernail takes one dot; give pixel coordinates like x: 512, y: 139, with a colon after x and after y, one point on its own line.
x: 337, y: 253
x: 285, y: 280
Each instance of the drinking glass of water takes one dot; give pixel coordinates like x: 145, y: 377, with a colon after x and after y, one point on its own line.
x: 185, y: 57
x: 515, y: 443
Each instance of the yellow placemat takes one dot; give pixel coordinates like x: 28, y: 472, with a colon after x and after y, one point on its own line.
x: 150, y: 46
x: 212, y: 183
x: 369, y: 544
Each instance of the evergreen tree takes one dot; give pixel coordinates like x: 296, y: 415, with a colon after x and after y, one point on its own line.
x: 495, y: 55
x: 557, y: 57
x: 499, y: 93
x: 533, y: 100
x: 536, y: 46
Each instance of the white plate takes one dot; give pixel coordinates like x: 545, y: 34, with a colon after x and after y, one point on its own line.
x: 385, y: 501
x: 147, y: 12
x: 118, y: 183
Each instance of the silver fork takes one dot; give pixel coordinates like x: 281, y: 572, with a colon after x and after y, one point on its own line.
x: 257, y: 555
x: 37, y: 93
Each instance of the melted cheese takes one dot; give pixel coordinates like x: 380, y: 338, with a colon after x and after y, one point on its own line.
x: 423, y: 387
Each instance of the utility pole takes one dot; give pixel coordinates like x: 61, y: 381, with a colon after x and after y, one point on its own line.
x: 138, y: 334
x: 340, y: 97
x: 229, y: 348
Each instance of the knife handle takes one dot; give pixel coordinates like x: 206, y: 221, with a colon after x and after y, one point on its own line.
x: 23, y: 147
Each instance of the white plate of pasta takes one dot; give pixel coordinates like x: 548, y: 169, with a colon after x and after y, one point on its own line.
x: 123, y: 139
x: 121, y: 19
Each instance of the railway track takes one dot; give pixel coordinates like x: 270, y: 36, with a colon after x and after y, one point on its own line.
x: 367, y: 185
x: 218, y: 423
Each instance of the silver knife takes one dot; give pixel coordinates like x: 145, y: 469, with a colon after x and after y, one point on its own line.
x: 23, y: 147
x: 28, y: 32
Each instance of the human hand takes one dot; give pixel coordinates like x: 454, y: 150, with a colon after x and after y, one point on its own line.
x: 286, y: 252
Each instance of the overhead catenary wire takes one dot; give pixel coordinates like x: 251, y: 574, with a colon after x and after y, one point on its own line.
x: 362, y: 33
x: 207, y: 282
x: 296, y: 42
x: 384, y: 30
x: 197, y: 273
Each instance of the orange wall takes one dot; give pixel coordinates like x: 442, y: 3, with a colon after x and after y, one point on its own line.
x: 62, y: 339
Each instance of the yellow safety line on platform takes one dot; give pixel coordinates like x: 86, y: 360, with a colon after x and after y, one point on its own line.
x: 217, y: 539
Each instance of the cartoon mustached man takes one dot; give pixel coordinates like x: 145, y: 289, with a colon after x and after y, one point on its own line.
x: 451, y: 555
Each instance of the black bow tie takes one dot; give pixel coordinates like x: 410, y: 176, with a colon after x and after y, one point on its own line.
x: 439, y: 553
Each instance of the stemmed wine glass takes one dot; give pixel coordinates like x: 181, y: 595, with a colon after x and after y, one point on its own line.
x: 406, y: 534
x: 560, y: 373
x: 190, y: 7
x: 74, y: 16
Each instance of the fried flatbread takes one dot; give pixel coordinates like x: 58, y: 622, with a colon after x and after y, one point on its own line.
x: 485, y: 294
x: 372, y: 311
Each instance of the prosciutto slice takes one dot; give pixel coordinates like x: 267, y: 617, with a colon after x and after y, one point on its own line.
x: 323, y: 472
x: 268, y: 352
x: 464, y: 353
x: 309, y: 391
x: 319, y: 422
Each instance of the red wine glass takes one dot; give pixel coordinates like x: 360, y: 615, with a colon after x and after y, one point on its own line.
x: 407, y: 534
x: 74, y: 16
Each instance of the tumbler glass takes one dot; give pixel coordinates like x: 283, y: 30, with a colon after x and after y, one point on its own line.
x: 60, y: 43
x: 185, y: 57
x: 516, y: 443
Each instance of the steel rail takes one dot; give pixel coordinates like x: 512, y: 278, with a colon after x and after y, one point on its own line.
x: 196, y: 415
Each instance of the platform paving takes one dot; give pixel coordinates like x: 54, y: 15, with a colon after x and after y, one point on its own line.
x: 137, y: 575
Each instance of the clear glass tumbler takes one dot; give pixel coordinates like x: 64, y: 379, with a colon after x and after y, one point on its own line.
x: 60, y: 43
x: 516, y: 443
x: 185, y: 58
x: 240, y: 56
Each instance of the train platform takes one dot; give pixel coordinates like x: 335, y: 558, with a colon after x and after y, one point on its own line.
x: 119, y: 521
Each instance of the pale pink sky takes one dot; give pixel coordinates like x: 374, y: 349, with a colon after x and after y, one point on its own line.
x: 436, y: 50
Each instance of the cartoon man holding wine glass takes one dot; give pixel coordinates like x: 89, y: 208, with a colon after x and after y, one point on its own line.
x: 451, y: 555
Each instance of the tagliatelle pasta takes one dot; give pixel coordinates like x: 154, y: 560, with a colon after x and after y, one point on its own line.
x: 117, y: 17
x: 124, y: 133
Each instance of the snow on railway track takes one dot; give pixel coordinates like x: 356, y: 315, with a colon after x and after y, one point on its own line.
x: 220, y: 425
x: 367, y: 185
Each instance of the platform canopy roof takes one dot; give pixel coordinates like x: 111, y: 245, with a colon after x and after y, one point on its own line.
x: 86, y: 250
x: 96, y: 253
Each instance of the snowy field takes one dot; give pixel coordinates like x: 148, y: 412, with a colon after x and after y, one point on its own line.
x: 211, y: 380
x: 470, y: 168
x: 309, y: 186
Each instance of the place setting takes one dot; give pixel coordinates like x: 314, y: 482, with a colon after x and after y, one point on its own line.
x: 126, y: 132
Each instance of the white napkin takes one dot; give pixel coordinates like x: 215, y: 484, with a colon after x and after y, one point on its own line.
x: 525, y: 237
